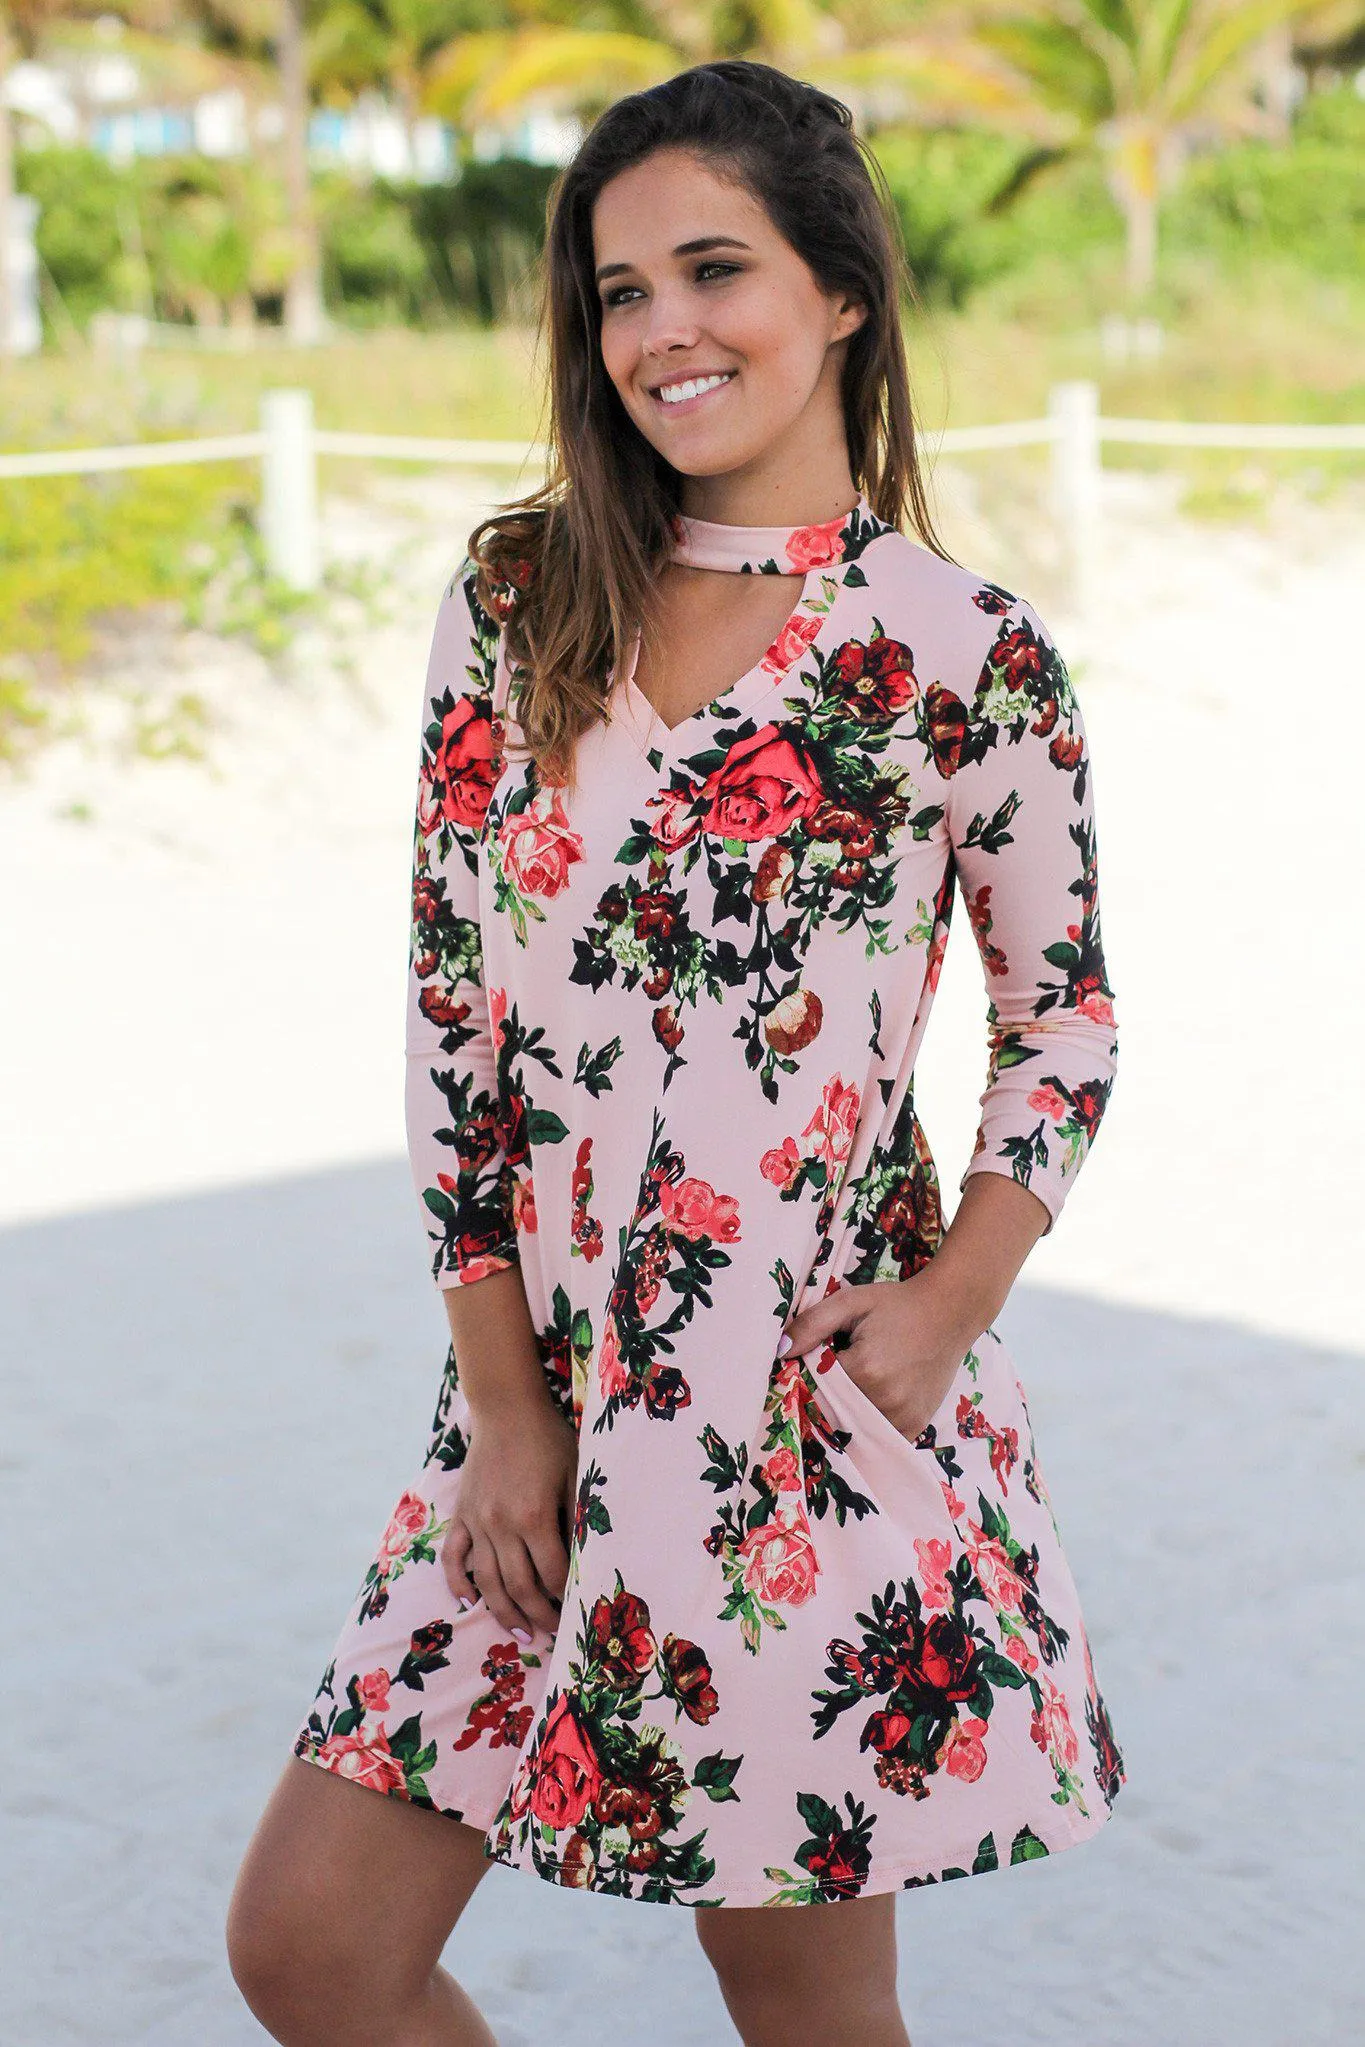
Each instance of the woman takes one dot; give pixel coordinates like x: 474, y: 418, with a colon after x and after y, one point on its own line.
x: 730, y: 1577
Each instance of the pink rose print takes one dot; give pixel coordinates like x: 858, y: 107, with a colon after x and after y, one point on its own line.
x: 374, y: 1691
x: 693, y: 1209
x: 1051, y: 1726
x: 1047, y: 1102
x: 539, y: 846
x: 1098, y: 1008
x: 815, y: 547
x: 780, y: 1563
x: 781, y: 1472
x: 1018, y: 1651
x: 791, y: 643
x: 834, y: 1123
x: 781, y: 1166
x: 964, y: 1752
x: 677, y: 822
x: 995, y: 1572
x: 409, y: 1518
x: 935, y: 1557
x: 612, y: 1375
x: 365, y: 1759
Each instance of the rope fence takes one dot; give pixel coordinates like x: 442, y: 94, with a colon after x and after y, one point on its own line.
x: 288, y: 446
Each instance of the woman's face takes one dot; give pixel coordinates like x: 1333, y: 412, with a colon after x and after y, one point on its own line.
x: 696, y: 283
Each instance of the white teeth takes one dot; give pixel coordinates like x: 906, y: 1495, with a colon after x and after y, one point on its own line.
x: 673, y: 394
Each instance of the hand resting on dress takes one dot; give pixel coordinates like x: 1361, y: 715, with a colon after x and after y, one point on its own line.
x: 518, y: 1486
x: 515, y: 1503
x: 909, y: 1336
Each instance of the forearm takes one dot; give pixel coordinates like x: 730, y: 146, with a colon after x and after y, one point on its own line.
x: 496, y: 1350
x: 996, y: 1225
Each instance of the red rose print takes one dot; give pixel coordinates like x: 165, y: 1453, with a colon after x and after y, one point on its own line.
x: 468, y: 763
x: 567, y: 1773
x: 764, y: 787
x: 622, y: 1639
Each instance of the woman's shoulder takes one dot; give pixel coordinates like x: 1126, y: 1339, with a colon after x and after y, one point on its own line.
x: 914, y: 590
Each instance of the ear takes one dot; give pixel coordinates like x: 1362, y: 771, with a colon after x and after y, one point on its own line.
x: 848, y: 319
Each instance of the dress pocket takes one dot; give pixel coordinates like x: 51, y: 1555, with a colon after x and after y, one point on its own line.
x: 902, y: 1474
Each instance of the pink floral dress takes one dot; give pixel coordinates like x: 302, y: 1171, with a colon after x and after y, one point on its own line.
x: 661, y: 1045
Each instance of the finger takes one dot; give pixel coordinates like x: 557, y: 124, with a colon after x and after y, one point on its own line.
x: 550, y: 1560
x: 455, y: 1564
x: 519, y: 1576
x: 819, y: 1322
x: 497, y: 1599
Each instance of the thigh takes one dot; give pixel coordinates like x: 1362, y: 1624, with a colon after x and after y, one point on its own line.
x: 328, y: 1862
x: 813, y: 1954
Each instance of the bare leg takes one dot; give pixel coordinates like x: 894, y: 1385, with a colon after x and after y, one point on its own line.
x: 343, y: 1903
x: 808, y: 1975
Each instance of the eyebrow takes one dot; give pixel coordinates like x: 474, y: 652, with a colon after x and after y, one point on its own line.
x: 696, y: 248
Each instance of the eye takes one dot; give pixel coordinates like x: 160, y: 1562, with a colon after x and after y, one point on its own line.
x: 619, y: 294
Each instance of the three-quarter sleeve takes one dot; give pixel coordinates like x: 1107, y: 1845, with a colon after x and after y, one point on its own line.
x: 457, y: 1145
x: 1020, y: 813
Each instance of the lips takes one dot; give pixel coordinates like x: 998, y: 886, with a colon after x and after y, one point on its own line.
x: 713, y: 380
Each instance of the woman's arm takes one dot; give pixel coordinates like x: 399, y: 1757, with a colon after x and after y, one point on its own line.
x: 507, y: 1539
x: 1020, y: 817
x: 1020, y: 814
x: 460, y: 1167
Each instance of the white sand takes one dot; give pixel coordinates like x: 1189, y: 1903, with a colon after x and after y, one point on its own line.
x: 222, y: 1345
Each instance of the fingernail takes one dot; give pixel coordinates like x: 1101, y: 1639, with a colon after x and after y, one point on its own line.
x: 521, y: 1634
x: 462, y: 1605
x: 784, y: 1345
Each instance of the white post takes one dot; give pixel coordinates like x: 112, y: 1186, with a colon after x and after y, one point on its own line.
x: 1074, y: 409
x: 289, y: 489
x: 20, y: 259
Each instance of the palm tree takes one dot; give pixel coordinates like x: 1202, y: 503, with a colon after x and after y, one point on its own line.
x: 1135, y: 81
x: 489, y: 76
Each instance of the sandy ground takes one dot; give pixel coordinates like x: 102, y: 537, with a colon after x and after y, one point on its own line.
x: 221, y: 1346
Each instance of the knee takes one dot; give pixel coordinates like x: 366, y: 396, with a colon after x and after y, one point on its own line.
x: 292, y: 1961
x: 776, y: 1989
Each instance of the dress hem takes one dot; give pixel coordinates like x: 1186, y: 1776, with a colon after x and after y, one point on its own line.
x: 881, y: 1877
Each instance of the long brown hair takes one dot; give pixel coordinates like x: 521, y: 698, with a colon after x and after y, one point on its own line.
x: 570, y: 568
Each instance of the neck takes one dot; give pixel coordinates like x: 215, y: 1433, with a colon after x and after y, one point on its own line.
x: 804, y: 480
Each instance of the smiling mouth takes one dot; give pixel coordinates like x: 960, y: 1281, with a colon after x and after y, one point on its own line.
x: 687, y: 388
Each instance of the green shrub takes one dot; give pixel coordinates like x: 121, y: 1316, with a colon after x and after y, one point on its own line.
x: 1303, y: 204
x: 87, y: 227
x: 373, y: 263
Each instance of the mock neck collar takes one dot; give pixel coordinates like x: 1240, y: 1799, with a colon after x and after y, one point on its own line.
x: 774, y: 550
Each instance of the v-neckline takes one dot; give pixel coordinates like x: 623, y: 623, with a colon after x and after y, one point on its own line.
x: 752, y: 550
x: 669, y: 743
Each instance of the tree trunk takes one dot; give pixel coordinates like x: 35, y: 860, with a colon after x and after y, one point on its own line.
x: 1140, y: 220
x: 303, y: 313
x: 7, y: 306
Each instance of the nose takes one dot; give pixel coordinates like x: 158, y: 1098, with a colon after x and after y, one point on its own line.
x: 669, y: 326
